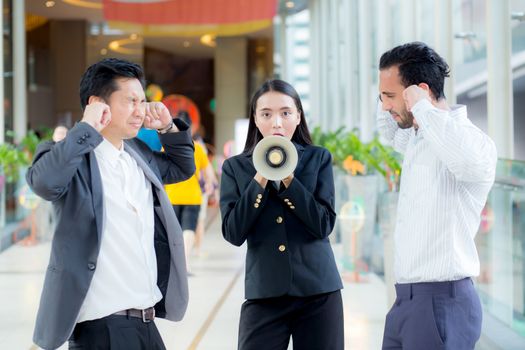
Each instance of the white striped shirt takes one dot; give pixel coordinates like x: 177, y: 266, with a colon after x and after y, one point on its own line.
x: 448, y: 169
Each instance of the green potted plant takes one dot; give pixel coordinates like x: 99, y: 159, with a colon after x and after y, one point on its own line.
x: 355, y: 157
x: 11, y: 159
x: 357, y: 165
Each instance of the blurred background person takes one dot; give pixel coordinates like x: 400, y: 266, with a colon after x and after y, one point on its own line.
x: 187, y: 196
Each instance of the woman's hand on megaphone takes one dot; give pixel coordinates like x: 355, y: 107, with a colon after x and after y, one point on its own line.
x: 287, y: 180
x: 261, y: 180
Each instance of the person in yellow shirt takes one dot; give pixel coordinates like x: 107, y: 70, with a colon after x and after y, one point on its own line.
x: 186, y: 196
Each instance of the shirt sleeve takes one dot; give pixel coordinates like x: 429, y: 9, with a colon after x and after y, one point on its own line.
x: 240, y: 208
x: 466, y: 151
x: 55, y: 164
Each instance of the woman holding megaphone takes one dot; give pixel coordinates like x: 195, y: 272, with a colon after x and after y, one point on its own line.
x: 292, y: 285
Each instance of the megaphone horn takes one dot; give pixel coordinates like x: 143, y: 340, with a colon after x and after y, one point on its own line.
x: 275, y: 157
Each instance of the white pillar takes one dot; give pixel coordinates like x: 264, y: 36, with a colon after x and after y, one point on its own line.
x: 315, y: 62
x: 383, y: 25
x: 19, y: 71
x: 230, y: 86
x: 2, y: 131
x: 2, y: 116
x: 409, y: 18
x: 336, y: 115
x: 367, y: 120
x: 444, y: 39
x: 346, y: 61
x: 501, y: 129
x: 353, y: 77
x: 323, y: 67
x: 499, y: 82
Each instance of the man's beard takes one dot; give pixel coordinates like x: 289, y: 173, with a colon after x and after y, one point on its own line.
x: 407, y: 120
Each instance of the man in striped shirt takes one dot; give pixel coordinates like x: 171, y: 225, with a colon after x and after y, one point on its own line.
x: 448, y: 170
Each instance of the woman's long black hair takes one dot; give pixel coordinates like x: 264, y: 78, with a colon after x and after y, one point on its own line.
x: 301, y: 134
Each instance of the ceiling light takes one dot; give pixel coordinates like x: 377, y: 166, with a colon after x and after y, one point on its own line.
x: 91, y: 4
x: 186, y: 43
x: 290, y: 4
x: 123, y: 46
x: 104, y: 52
x: 50, y: 3
x: 208, y: 40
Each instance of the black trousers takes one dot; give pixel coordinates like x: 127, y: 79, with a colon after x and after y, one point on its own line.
x: 314, y: 323
x: 116, y: 332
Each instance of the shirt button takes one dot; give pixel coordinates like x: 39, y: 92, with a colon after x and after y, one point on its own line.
x: 256, y: 205
x: 292, y: 207
x: 80, y: 142
x: 259, y: 195
x: 279, y: 219
x: 91, y: 266
x: 282, y: 248
x: 258, y: 200
x: 286, y: 200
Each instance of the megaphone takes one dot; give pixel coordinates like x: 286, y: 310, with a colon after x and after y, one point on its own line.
x: 275, y: 157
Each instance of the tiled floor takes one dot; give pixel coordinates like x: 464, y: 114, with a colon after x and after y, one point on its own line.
x: 216, y: 294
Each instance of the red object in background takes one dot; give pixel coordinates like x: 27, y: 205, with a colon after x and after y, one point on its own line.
x: 177, y: 103
x: 189, y: 12
x: 487, y: 219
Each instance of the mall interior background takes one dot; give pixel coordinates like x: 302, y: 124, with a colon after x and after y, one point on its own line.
x: 327, y: 49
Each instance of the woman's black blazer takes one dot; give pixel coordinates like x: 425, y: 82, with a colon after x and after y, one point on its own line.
x: 287, y: 230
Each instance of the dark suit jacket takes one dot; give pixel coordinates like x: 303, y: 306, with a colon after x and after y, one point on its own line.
x: 67, y: 174
x: 287, y: 231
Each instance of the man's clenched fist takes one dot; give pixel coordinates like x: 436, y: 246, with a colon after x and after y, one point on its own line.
x: 157, y: 116
x: 97, y: 114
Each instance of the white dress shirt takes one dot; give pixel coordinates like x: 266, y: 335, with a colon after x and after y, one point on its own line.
x: 448, y: 170
x: 126, y: 272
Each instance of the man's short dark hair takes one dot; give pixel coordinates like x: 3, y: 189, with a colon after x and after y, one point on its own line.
x: 99, y: 79
x: 418, y: 63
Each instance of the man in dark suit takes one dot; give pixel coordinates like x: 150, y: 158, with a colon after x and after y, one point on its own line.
x: 117, y: 258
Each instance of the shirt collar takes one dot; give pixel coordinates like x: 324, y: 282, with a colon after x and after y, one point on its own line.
x: 108, y: 152
x: 458, y: 111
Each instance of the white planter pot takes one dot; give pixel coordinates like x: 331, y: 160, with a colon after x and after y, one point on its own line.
x: 357, y: 220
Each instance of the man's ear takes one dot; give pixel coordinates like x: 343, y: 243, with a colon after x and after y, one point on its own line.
x: 424, y: 86
x: 93, y: 98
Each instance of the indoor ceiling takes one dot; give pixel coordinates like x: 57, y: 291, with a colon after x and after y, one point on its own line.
x: 184, y: 46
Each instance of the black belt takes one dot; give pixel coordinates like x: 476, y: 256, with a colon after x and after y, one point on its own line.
x: 147, y: 315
